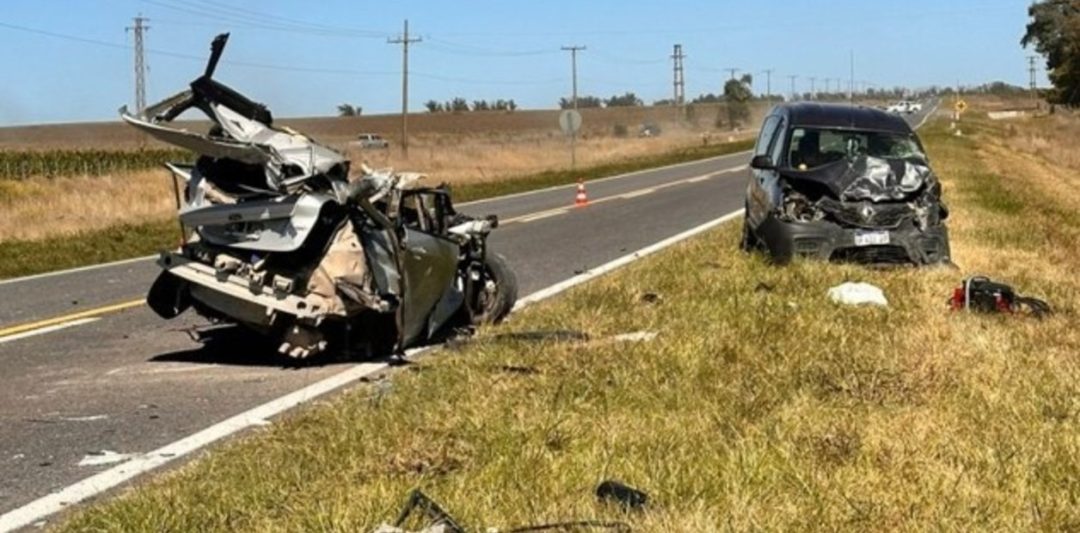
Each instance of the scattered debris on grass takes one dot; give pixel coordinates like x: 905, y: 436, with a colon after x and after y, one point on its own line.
x: 637, y: 336
x: 857, y: 294
x: 651, y: 298
x: 980, y: 293
x: 626, y: 496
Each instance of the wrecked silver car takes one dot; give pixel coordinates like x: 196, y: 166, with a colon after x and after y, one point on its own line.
x: 278, y: 239
x: 843, y: 183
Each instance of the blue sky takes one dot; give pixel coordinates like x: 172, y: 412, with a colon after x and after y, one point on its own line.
x: 315, y: 55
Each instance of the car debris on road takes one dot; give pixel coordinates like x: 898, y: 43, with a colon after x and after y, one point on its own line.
x: 278, y: 239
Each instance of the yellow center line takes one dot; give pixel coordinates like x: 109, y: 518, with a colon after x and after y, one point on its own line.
x: 21, y: 328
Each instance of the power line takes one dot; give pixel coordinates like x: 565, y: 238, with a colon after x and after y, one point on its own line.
x: 404, y: 40
x: 467, y: 49
x: 252, y: 20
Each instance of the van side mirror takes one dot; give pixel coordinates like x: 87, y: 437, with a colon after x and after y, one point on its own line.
x: 762, y: 162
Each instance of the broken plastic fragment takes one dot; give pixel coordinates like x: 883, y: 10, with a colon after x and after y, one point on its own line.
x: 857, y: 294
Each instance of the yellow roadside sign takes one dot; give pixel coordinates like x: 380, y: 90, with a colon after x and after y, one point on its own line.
x: 960, y: 106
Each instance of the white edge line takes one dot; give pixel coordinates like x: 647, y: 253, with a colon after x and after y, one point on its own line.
x: 928, y: 114
x: 474, y: 202
x: 79, y: 269
x: 48, y: 329
x: 119, y: 474
x: 639, y: 192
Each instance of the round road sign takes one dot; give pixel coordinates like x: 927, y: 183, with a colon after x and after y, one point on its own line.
x: 570, y: 121
x: 960, y: 106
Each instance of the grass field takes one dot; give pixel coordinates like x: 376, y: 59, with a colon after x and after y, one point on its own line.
x: 759, y: 405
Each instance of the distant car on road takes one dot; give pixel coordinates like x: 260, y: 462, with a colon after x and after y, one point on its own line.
x: 904, y: 107
x: 843, y: 183
x: 371, y: 140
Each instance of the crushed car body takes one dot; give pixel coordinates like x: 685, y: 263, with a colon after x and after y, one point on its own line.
x: 843, y: 183
x: 278, y: 239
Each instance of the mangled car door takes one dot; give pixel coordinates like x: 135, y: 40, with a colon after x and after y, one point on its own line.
x: 430, y: 264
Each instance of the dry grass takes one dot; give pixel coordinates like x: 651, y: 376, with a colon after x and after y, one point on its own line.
x: 758, y: 406
x: 481, y: 158
x: 39, y: 208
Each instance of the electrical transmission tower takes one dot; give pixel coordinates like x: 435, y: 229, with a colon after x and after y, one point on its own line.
x: 404, y: 40
x: 140, y: 62
x: 813, y: 92
x: 768, y: 84
x: 732, y: 71
x: 794, y: 95
x: 1031, y: 72
x: 678, y: 81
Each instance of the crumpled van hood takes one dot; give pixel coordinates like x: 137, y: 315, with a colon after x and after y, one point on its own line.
x: 867, y: 178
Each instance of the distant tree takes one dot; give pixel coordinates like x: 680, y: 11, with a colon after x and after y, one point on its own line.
x: 433, y: 106
x: 627, y: 99
x: 504, y: 105
x: 663, y: 102
x: 707, y: 99
x: 480, y: 105
x: 349, y: 110
x: 1054, y: 31
x: 737, y: 94
x: 582, y: 101
x: 457, y: 105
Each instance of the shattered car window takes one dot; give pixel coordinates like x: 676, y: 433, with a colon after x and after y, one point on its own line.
x: 814, y: 147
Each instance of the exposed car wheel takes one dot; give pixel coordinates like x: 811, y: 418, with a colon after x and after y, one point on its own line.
x: 499, y: 292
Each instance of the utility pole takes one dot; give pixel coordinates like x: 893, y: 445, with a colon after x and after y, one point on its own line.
x: 813, y: 93
x: 851, y: 85
x: 573, y: 68
x: 793, y: 77
x: 768, y: 84
x: 678, y: 81
x: 404, y: 40
x: 732, y: 71
x: 1031, y: 71
x: 140, y: 62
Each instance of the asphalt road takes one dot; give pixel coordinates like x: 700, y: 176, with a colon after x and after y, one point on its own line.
x: 127, y: 382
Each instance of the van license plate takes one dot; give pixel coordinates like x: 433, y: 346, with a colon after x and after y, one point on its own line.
x: 871, y: 238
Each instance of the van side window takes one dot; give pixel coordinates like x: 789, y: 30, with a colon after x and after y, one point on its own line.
x: 765, y: 137
x: 776, y: 146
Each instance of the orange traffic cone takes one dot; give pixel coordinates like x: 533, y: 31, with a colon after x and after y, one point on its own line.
x: 582, y: 198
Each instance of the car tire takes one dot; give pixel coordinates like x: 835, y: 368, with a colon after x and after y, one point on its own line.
x: 497, y: 303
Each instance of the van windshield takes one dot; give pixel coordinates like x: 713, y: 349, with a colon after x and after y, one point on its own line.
x: 814, y: 147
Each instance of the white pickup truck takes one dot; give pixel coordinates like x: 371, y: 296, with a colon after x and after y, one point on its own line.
x: 904, y: 107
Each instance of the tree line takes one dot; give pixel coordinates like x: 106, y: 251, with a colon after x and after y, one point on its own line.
x: 461, y: 105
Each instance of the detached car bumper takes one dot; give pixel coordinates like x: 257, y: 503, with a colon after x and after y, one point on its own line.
x: 831, y: 242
